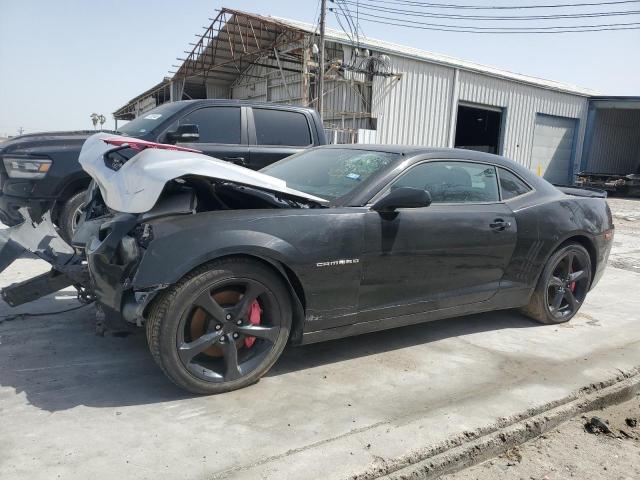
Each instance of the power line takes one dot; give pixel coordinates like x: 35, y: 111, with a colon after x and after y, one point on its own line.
x: 501, y: 7
x: 517, y: 29
x: 497, y: 30
x: 347, y: 16
x: 414, y: 13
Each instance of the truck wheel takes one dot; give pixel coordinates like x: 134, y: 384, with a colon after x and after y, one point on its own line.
x: 70, y: 215
x: 562, y: 286
x: 221, y: 327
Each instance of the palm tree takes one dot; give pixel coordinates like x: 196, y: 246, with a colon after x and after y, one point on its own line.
x: 101, y: 119
x: 94, y: 119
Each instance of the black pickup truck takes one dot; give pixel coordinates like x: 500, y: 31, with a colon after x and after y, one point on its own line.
x: 41, y: 171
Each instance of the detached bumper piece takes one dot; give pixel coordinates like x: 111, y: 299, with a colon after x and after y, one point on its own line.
x: 41, y: 238
x: 24, y: 292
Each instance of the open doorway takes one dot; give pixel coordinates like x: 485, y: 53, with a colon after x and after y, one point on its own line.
x: 478, y: 129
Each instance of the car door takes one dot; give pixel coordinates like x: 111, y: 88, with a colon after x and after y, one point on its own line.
x: 453, y: 252
x: 222, y: 132
x: 275, y: 134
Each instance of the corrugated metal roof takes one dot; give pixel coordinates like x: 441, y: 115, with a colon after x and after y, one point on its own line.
x: 415, y: 53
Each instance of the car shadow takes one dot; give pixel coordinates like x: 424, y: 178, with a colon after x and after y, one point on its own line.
x: 323, y: 353
x: 58, y: 362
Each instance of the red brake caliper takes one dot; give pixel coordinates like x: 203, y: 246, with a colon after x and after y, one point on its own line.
x: 254, y: 318
x: 572, y: 285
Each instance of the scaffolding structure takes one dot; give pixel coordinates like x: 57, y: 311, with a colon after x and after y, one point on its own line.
x: 243, y: 55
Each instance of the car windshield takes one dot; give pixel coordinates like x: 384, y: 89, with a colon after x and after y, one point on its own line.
x: 329, y: 173
x: 150, y: 120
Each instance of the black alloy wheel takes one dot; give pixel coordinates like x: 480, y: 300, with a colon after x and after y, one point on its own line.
x: 562, y: 287
x: 221, y: 327
x: 217, y: 340
x: 568, y: 284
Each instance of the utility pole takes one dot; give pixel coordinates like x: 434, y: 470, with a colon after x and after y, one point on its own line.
x: 323, y: 16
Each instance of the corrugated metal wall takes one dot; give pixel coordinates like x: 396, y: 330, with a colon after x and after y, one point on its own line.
x: 269, y: 87
x: 217, y: 90
x: 417, y: 109
x: 344, y: 100
x: 615, y: 142
x: 414, y: 109
x: 520, y: 104
x: 420, y: 107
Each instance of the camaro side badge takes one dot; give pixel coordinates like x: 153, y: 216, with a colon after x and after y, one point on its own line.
x: 347, y: 261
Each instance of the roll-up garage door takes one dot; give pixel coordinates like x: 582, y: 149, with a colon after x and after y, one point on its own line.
x: 552, y: 153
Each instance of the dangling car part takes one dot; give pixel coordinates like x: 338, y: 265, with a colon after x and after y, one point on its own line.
x: 223, y: 266
x: 40, y: 237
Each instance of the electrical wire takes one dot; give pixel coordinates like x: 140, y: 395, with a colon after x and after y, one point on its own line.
x: 502, y: 7
x: 348, y: 19
x: 516, y: 29
x: 9, y: 318
x: 414, y: 13
x: 495, y: 30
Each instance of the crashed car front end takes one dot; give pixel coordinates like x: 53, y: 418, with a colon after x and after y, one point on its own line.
x: 138, y: 185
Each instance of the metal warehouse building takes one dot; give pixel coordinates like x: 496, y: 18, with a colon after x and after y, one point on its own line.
x: 379, y: 92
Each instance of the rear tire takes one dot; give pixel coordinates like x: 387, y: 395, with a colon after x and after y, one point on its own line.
x: 221, y: 327
x: 70, y: 215
x: 562, y: 286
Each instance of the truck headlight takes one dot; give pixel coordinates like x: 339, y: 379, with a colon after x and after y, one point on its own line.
x: 26, y: 167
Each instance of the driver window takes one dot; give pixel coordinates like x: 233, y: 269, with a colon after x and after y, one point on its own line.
x: 453, y: 182
x: 216, y: 124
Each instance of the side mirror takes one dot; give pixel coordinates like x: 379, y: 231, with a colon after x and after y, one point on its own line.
x: 186, y: 133
x: 403, y: 197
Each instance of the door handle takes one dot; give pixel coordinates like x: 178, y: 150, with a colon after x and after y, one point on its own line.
x: 499, y: 225
x: 237, y: 160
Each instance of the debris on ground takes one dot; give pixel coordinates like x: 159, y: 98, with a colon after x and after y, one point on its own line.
x: 513, y: 455
x: 597, y: 425
x: 571, y: 451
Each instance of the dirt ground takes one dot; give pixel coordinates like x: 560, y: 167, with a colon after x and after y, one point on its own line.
x: 571, y: 452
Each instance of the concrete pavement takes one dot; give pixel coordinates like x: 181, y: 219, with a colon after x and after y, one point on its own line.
x: 77, y: 406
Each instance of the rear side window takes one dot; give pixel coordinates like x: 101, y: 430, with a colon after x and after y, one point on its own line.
x: 511, y: 185
x: 216, y: 124
x: 453, y: 182
x: 280, y: 127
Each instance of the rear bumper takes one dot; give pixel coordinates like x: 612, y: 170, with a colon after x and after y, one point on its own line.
x: 603, y: 242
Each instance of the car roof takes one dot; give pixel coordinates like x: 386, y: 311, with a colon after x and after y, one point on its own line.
x: 429, y: 152
x: 248, y: 103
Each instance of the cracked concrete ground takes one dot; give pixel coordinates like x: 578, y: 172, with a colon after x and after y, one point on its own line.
x: 76, y: 406
x: 570, y: 452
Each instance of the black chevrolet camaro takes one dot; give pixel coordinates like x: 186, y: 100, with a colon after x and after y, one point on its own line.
x: 224, y: 266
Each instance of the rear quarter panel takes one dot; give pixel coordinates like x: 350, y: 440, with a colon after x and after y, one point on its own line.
x: 545, y: 223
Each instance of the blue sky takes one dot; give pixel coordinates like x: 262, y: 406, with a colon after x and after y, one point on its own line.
x: 61, y: 60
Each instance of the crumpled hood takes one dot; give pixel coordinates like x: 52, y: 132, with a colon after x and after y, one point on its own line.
x: 137, y: 185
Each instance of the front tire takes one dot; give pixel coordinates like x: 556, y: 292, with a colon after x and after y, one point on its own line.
x: 562, y: 286
x: 221, y: 327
